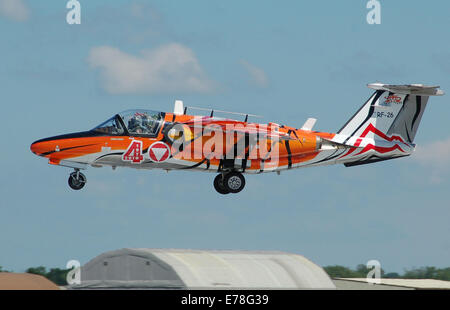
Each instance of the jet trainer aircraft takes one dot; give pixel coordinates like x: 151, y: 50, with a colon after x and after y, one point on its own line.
x: 383, y: 128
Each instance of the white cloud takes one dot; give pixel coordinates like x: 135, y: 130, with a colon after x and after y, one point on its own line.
x: 144, y: 10
x: 435, y: 156
x: 436, y: 153
x: 257, y: 75
x: 168, y: 68
x: 14, y: 9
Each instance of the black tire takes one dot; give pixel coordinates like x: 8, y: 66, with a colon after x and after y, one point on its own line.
x: 77, y: 183
x: 218, y: 185
x: 234, y: 182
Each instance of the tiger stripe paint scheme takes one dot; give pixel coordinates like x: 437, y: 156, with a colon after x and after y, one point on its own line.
x: 88, y: 148
x: 383, y: 128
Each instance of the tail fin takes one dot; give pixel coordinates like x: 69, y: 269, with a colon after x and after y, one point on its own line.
x: 392, y: 110
x: 385, y: 126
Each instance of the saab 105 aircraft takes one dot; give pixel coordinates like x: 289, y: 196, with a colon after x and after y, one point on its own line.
x: 383, y: 128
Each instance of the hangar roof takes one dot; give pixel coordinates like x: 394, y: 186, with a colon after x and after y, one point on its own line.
x: 406, y: 283
x: 175, y: 268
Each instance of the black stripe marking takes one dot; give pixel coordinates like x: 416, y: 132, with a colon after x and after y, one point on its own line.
x: 261, y: 166
x: 418, y: 109
x: 356, y: 113
x: 118, y: 153
x: 332, y: 156
x: 83, y: 134
x: 65, y: 149
x: 233, y: 152
x: 261, y: 169
x: 295, y: 134
x: 288, y: 149
x: 407, y: 133
x: 247, y: 152
x: 370, y: 160
x: 369, y: 115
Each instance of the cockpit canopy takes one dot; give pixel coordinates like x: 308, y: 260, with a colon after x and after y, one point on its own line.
x: 132, y: 122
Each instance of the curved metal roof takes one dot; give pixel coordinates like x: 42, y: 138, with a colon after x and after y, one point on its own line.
x: 176, y: 268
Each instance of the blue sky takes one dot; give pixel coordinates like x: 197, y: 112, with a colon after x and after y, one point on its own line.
x: 287, y: 62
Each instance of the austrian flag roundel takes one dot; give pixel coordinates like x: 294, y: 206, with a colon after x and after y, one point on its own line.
x: 159, y: 152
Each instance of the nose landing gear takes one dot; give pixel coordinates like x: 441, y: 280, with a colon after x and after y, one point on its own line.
x: 77, y: 180
x: 231, y: 182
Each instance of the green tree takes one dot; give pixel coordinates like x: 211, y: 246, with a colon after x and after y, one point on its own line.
x: 443, y: 274
x: 56, y: 275
x: 428, y: 273
x: 338, y: 271
x: 37, y: 270
x: 392, y: 275
x: 361, y: 271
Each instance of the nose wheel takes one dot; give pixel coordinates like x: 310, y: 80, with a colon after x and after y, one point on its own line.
x: 232, y: 182
x: 77, y: 180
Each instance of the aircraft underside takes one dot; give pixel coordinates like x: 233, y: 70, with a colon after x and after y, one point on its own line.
x: 227, y: 168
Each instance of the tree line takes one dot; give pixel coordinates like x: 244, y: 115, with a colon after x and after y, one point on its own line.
x: 361, y: 271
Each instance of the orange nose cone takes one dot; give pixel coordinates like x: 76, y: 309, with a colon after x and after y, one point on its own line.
x: 39, y: 148
x: 35, y: 148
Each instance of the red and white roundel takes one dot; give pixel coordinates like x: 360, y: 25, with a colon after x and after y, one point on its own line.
x: 159, y: 152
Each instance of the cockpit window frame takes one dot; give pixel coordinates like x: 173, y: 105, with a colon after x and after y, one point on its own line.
x: 118, y: 121
x: 144, y: 135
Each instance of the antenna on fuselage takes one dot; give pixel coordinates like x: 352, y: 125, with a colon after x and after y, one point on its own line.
x: 226, y: 112
x: 178, y: 108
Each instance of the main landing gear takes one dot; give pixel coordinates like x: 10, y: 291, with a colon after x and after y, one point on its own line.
x: 77, y: 180
x: 231, y: 182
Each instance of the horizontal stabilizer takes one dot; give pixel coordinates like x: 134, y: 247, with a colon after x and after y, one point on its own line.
x: 410, y: 89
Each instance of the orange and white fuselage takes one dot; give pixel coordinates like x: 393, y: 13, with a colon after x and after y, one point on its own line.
x: 384, y: 128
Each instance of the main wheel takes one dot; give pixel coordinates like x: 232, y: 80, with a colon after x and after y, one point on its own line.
x: 234, y: 182
x: 77, y: 180
x: 218, y: 185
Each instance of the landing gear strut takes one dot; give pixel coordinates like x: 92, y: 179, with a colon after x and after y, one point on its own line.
x: 77, y: 180
x: 231, y: 182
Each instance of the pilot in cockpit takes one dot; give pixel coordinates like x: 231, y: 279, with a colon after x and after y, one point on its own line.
x: 148, y: 124
x: 135, y: 124
x: 142, y: 123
